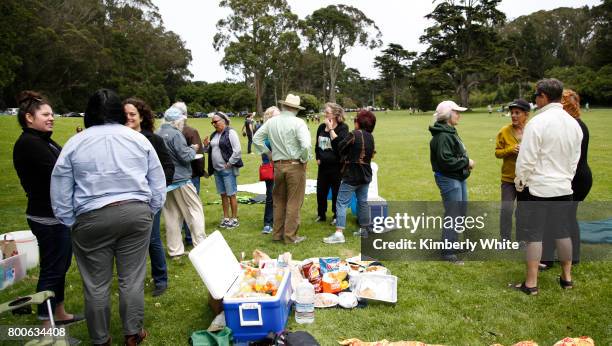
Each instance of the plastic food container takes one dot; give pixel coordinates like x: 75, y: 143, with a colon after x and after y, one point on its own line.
x: 376, y: 287
x: 26, y: 244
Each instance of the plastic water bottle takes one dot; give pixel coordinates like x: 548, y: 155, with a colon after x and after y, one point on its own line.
x: 304, y: 305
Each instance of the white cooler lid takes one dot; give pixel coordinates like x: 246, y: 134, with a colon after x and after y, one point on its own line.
x: 216, y: 264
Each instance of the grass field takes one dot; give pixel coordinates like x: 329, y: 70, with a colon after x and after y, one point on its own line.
x: 437, y: 302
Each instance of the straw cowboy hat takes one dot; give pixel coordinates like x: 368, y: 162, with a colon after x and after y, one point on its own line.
x: 292, y: 101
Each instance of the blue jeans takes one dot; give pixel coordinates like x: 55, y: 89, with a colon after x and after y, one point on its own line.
x: 269, y: 210
x: 454, y: 196
x: 344, y: 199
x: 196, y: 183
x: 159, y: 271
x: 55, y: 249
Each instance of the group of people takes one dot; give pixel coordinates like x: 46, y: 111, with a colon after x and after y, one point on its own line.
x: 544, y: 169
x: 102, y: 195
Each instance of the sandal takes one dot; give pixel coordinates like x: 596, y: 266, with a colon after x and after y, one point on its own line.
x: 566, y: 285
x: 530, y: 291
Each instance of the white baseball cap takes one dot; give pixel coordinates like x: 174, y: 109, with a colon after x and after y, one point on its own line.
x: 445, y: 107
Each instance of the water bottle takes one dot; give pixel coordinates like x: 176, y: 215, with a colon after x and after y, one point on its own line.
x: 304, y: 305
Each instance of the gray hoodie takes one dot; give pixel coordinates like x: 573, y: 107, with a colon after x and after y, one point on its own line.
x: 181, y: 153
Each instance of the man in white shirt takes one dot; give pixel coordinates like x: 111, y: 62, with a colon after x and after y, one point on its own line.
x: 546, y: 165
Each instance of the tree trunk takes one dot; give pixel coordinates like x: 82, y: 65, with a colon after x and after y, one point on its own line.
x: 464, y: 95
x: 258, y: 81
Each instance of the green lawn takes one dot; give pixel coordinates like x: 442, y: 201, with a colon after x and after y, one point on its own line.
x: 437, y: 302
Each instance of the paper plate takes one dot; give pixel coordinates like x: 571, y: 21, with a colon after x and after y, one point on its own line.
x: 198, y: 156
x: 325, y: 300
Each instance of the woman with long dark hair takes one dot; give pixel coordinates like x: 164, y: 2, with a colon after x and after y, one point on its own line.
x: 140, y: 118
x: 34, y: 156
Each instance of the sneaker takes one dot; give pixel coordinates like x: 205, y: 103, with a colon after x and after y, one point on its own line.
x: 333, y: 222
x: 224, y: 222
x: 361, y: 233
x: 267, y: 229
x: 336, y: 238
x: 233, y: 223
x: 320, y: 219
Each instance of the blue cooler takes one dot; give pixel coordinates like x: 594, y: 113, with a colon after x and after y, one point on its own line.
x: 250, y: 319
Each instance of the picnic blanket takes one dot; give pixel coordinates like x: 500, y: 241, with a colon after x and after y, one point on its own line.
x: 597, y: 232
x: 259, y: 188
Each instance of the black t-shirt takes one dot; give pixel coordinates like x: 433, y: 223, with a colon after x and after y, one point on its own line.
x: 248, y: 123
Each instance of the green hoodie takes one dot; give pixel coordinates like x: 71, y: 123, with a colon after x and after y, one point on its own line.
x: 447, y: 153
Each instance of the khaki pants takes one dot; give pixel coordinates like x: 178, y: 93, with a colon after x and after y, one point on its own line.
x: 288, y: 197
x: 183, y: 204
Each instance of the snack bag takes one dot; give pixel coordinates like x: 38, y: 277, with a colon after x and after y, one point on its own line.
x: 329, y: 264
x: 312, y: 273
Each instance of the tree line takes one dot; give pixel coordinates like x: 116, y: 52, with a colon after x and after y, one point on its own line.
x: 68, y: 48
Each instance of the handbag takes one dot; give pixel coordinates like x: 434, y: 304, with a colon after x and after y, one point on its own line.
x: 266, y: 171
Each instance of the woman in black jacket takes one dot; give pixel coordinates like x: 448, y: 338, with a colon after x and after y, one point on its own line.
x: 328, y: 160
x: 356, y: 150
x: 140, y: 118
x: 34, y: 156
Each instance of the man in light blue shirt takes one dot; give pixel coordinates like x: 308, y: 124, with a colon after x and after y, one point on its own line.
x: 107, y: 184
x: 290, y: 141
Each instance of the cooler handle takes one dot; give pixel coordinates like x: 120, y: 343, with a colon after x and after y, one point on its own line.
x: 250, y: 306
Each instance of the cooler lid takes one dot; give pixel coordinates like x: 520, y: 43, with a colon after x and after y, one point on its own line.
x: 216, y: 264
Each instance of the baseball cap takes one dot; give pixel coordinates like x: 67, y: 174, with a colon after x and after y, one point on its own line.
x: 173, y: 113
x: 445, y: 107
x: 521, y: 104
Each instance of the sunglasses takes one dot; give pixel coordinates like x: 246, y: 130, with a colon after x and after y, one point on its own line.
x: 537, y: 93
x: 214, y: 122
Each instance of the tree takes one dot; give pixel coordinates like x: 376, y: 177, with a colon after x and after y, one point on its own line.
x: 462, y: 42
x: 334, y: 30
x: 392, y: 66
x: 286, y: 58
x: 250, y: 38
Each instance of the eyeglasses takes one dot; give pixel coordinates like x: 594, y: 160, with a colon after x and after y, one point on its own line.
x: 214, y: 122
x: 537, y: 93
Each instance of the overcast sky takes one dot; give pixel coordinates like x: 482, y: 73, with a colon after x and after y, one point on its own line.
x: 400, y: 21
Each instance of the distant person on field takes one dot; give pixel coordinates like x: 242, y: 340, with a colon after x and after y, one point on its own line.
x: 248, y: 129
x: 224, y: 162
x: 267, y: 158
x: 581, y: 184
x: 183, y: 203
x: 586, y: 106
x: 107, y: 184
x: 545, y: 168
x: 34, y: 156
x: 356, y: 150
x: 329, y: 165
x: 489, y: 109
x: 507, y: 147
x: 140, y: 118
x: 290, y: 141
x: 451, y: 166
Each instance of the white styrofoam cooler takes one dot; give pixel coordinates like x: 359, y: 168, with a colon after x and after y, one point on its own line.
x: 250, y: 319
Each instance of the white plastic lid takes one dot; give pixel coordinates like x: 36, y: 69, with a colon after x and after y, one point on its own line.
x: 216, y: 264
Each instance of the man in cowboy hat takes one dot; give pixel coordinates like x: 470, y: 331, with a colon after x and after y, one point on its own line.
x: 290, y: 142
